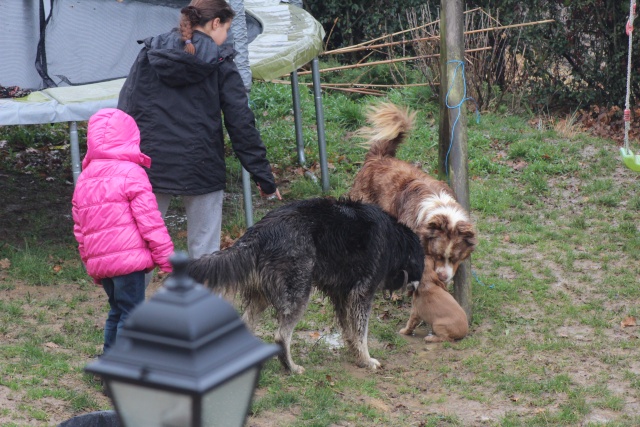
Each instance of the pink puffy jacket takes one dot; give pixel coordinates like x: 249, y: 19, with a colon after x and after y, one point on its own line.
x: 116, y: 218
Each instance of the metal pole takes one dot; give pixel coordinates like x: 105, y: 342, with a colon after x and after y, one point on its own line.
x: 241, y: 44
x: 75, y: 151
x: 458, y: 167
x: 322, y: 143
x: 297, y: 116
x: 246, y: 193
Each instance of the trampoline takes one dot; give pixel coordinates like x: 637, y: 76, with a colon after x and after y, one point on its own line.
x: 75, y: 54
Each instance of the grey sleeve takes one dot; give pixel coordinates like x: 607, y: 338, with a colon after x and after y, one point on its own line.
x: 240, y: 42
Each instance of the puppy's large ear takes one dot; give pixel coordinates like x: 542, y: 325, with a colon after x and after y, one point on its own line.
x: 468, y: 233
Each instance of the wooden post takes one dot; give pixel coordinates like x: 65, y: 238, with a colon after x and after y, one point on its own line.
x: 444, y: 130
x: 455, y: 143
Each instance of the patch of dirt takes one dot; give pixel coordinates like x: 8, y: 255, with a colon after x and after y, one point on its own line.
x: 26, y: 198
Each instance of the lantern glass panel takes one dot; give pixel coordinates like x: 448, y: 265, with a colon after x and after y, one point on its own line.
x: 228, y: 404
x: 142, y: 406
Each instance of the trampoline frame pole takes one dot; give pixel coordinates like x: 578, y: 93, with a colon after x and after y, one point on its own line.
x: 246, y: 195
x: 322, y: 143
x: 297, y: 116
x: 75, y: 151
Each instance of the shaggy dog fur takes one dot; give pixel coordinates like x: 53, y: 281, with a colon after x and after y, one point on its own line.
x: 345, y: 249
x: 424, y: 204
x: 437, y: 308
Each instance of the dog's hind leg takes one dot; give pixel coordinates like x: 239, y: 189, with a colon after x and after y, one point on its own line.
x: 289, y: 310
x: 253, y: 311
x: 287, y: 323
x: 437, y: 338
x: 354, y: 321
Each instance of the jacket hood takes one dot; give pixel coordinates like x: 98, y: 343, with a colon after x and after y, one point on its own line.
x: 175, y: 67
x: 112, y: 134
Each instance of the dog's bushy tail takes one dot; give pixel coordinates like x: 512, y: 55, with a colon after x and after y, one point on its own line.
x: 389, y: 126
x: 226, y: 271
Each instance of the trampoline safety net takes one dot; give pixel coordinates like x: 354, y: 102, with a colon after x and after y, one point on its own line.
x: 62, y: 60
x: 76, y: 42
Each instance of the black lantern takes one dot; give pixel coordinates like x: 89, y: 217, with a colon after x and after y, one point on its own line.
x: 183, y: 358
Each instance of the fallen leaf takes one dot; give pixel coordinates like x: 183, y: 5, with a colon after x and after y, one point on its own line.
x: 5, y: 264
x: 226, y: 241
x: 629, y: 321
x: 514, y: 398
x: 51, y: 345
x: 314, y: 335
x: 330, y: 380
x: 520, y: 165
x: 57, y: 268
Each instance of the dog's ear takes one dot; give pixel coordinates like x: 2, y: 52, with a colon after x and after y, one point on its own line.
x: 436, y: 226
x: 468, y: 233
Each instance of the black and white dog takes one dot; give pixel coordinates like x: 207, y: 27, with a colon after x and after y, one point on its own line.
x: 346, y: 249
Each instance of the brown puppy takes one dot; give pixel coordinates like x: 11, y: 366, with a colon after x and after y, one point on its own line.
x: 421, y: 202
x: 439, y: 309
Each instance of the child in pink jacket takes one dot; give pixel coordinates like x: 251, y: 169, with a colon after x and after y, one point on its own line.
x: 117, y: 223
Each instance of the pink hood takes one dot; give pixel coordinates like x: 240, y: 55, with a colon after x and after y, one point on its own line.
x: 113, y: 134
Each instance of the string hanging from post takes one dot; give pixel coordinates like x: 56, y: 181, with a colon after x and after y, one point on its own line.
x: 458, y: 106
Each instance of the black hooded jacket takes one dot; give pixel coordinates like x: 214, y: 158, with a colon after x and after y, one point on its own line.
x: 176, y: 99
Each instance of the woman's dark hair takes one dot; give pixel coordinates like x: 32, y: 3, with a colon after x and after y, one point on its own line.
x: 199, y: 12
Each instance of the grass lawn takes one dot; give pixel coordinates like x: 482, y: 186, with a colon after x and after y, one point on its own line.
x: 556, y: 275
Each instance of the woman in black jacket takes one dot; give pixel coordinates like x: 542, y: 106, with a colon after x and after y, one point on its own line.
x: 177, y: 90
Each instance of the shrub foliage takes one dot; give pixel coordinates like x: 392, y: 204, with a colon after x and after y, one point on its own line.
x: 580, y: 59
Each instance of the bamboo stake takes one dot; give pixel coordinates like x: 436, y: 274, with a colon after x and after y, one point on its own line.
x: 388, y: 61
x: 335, y: 22
x: 357, y: 48
x: 375, y: 46
x: 506, y: 27
x: 362, y: 90
x: 356, y: 90
x: 375, y: 85
x: 398, y: 33
x: 287, y: 82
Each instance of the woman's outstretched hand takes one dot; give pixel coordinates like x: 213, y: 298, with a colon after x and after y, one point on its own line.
x: 271, y: 196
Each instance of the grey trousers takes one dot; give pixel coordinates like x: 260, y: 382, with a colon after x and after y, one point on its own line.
x: 204, y: 222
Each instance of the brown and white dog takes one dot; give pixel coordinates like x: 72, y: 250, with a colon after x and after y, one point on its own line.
x: 439, y: 309
x: 421, y: 202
